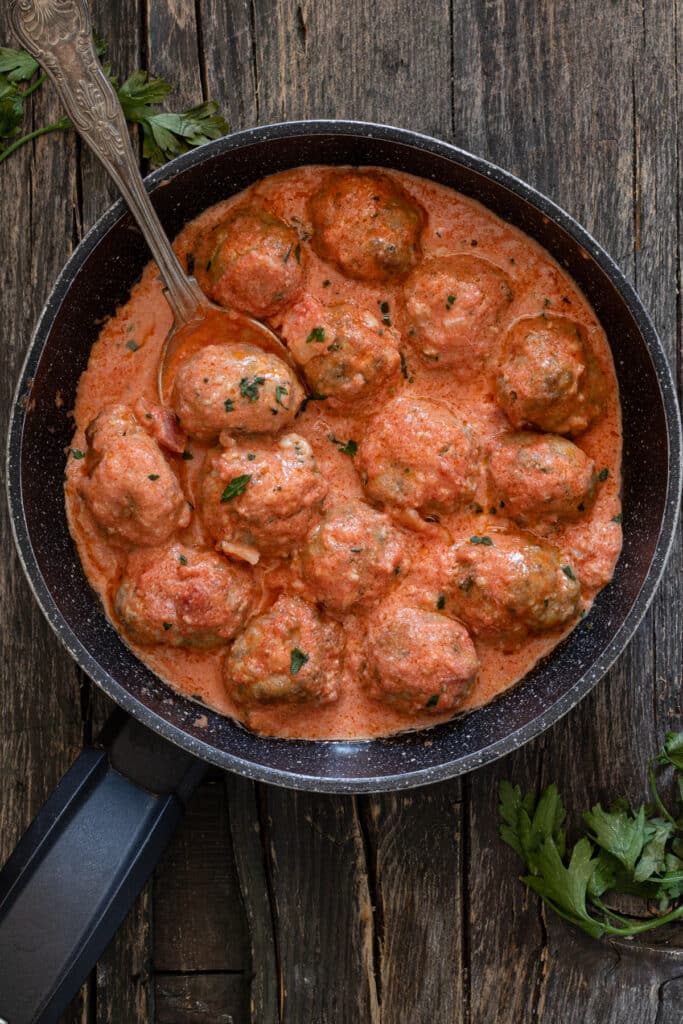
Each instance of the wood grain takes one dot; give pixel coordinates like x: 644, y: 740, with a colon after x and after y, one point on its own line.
x: 393, y: 907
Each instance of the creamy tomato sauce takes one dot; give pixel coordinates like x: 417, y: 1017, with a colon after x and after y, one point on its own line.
x: 440, y: 288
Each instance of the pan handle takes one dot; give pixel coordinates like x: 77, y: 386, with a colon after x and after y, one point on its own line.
x: 81, y: 863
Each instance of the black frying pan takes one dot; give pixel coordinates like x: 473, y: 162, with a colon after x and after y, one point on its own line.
x: 114, y: 811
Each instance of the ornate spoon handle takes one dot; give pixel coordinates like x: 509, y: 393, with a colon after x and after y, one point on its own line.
x: 58, y: 34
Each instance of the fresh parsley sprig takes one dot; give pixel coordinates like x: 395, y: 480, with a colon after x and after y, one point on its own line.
x: 164, y: 134
x: 625, y: 852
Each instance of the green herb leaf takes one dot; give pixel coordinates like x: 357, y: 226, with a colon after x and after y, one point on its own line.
x: 433, y: 700
x: 345, y: 447
x: 281, y: 390
x: 603, y: 474
x: 77, y: 453
x: 486, y: 541
x: 187, y: 455
x: 17, y: 65
x: 673, y: 750
x: 568, y: 571
x: 235, y: 487
x: 249, y: 387
x: 619, y: 832
x: 297, y: 660
x: 441, y: 602
x: 153, y: 476
x: 182, y: 559
x: 317, y: 334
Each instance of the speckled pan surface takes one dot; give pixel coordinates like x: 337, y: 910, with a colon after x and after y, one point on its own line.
x: 98, y: 277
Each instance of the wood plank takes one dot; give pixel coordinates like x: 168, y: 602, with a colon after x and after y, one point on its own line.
x: 201, y: 999
x: 199, y: 922
x: 354, y: 60
x: 322, y: 907
x: 227, y: 59
x: 250, y: 860
x: 415, y: 847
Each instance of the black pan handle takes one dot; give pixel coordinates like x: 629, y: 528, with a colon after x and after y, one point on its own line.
x: 81, y: 863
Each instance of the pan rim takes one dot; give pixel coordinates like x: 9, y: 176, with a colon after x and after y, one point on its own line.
x: 291, y: 778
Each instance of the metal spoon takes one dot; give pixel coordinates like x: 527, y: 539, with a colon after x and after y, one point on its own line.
x: 59, y: 35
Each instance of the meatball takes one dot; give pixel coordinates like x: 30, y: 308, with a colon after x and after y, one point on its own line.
x: 352, y: 556
x: 507, y: 585
x: 346, y: 353
x: 263, y: 497
x: 416, y: 454
x: 547, y: 377
x: 290, y: 654
x: 541, y: 476
x: 366, y: 224
x: 183, y: 597
x: 453, y: 306
x: 234, y: 389
x: 251, y: 261
x: 128, y: 487
x: 418, y: 660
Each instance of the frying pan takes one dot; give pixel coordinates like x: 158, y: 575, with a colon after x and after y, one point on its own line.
x: 74, y: 874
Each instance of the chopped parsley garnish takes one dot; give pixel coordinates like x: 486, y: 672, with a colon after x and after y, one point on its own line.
x: 441, y: 602
x: 326, y: 284
x: 153, y: 476
x: 486, y: 541
x: 433, y: 700
x: 581, y: 507
x: 235, y: 487
x: 167, y: 625
x: 77, y: 453
x: 313, y: 397
x: 317, y: 334
x: 287, y: 254
x: 449, y: 301
x: 251, y: 456
x: 349, y: 447
x: 249, y: 387
x: 618, y: 518
x: 568, y: 571
x: 132, y: 345
x: 182, y: 559
x: 384, y: 309
x: 229, y: 404
x: 356, y: 551
x: 297, y: 660
x: 603, y: 474
x: 297, y: 253
x: 546, y: 302
x: 281, y: 390
x: 513, y: 396
x: 187, y: 455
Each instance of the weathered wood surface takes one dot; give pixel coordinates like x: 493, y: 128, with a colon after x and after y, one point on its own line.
x: 272, y: 906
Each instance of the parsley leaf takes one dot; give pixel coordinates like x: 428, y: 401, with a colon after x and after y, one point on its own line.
x: 235, y: 487
x: 638, y: 853
x: 486, y: 541
x: 18, y: 65
x: 297, y: 660
x: 249, y: 387
x: 317, y: 334
x: 349, y: 447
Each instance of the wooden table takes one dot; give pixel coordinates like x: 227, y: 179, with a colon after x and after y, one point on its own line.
x: 398, y: 908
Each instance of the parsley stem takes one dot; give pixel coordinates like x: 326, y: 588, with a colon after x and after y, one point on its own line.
x: 655, y: 793
x: 646, y: 926
x: 32, y: 88
x: 62, y: 125
x: 606, y: 910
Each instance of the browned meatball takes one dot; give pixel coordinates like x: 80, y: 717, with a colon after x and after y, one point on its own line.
x: 541, y: 476
x: 454, y: 304
x: 130, y: 490
x: 183, y: 597
x: 418, y: 455
x: 352, y: 556
x: 547, y: 376
x: 418, y: 660
x: 346, y: 353
x: 251, y: 261
x: 507, y: 585
x: 259, y: 497
x: 235, y: 389
x: 290, y: 654
x: 366, y: 224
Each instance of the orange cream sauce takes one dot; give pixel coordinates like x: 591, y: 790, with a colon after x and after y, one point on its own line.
x: 123, y: 367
